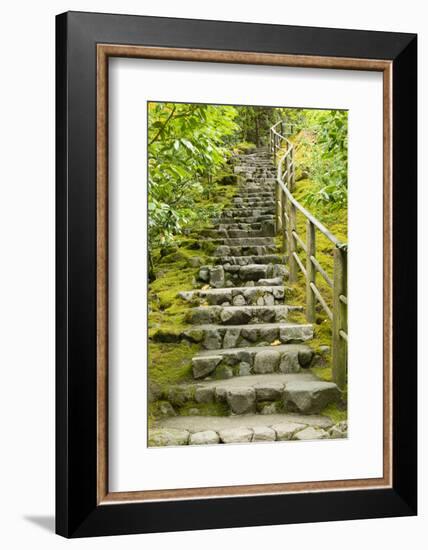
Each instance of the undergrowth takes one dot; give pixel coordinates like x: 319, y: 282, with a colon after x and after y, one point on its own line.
x: 169, y: 356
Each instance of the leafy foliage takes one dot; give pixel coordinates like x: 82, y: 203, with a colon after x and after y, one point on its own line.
x: 189, y: 146
x: 325, y: 153
x: 186, y: 150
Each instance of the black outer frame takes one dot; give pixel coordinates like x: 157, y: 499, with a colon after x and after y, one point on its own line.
x: 77, y: 513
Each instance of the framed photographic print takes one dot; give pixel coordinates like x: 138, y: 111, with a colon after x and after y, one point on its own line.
x: 236, y: 274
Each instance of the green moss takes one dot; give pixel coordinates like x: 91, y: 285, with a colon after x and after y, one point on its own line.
x: 336, y: 412
x: 216, y: 197
x: 167, y: 312
x: 170, y: 363
x: 222, y: 372
x: 244, y: 146
x: 323, y: 373
x: 156, y: 406
x: 209, y: 247
x: 179, y: 395
x: 170, y: 356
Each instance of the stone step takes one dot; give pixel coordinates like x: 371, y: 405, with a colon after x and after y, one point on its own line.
x: 301, y: 392
x: 248, y: 428
x: 246, y: 250
x: 255, y: 295
x: 256, y: 164
x: 255, y: 272
x: 224, y: 219
x: 260, y: 166
x: 239, y: 314
x: 243, y: 241
x: 231, y: 225
x: 253, y: 188
x: 285, y: 358
x: 250, y: 165
x: 267, y: 231
x: 258, y: 175
x: 260, y: 185
x: 258, y: 193
x: 217, y: 276
x: 263, y: 393
x: 246, y: 206
x: 253, y: 200
x: 223, y: 337
x: 248, y: 212
x: 258, y: 156
x: 245, y: 260
x: 255, y: 172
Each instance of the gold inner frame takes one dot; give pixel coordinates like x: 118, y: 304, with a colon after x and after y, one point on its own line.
x: 104, y: 51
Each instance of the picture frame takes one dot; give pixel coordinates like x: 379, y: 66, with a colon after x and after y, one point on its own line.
x: 84, y: 44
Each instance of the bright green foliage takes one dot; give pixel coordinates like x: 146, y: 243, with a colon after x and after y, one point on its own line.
x: 190, y: 181
x: 189, y: 145
x: 186, y: 149
x: 322, y: 137
x: 337, y: 413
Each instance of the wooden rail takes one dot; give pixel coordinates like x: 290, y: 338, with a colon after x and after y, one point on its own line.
x: 287, y: 206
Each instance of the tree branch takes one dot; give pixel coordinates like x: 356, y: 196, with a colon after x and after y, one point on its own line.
x: 164, y: 125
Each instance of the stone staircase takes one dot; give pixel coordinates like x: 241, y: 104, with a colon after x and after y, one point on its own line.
x: 253, y: 359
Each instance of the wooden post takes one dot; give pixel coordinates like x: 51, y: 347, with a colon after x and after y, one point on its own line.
x: 339, y: 351
x: 284, y: 222
x: 311, y: 272
x: 278, y: 208
x: 274, y: 149
x: 292, y: 170
x: 291, y: 226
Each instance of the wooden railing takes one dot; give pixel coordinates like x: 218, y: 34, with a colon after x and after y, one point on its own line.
x: 287, y: 206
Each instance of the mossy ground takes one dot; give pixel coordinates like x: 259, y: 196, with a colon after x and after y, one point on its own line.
x: 169, y: 362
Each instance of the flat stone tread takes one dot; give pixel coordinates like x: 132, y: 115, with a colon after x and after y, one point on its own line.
x: 238, y: 288
x: 281, y: 348
x: 253, y: 380
x: 259, y: 266
x: 238, y: 240
x: 248, y: 212
x: 247, y: 307
x: 279, y: 257
x: 251, y: 325
x: 195, y: 424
